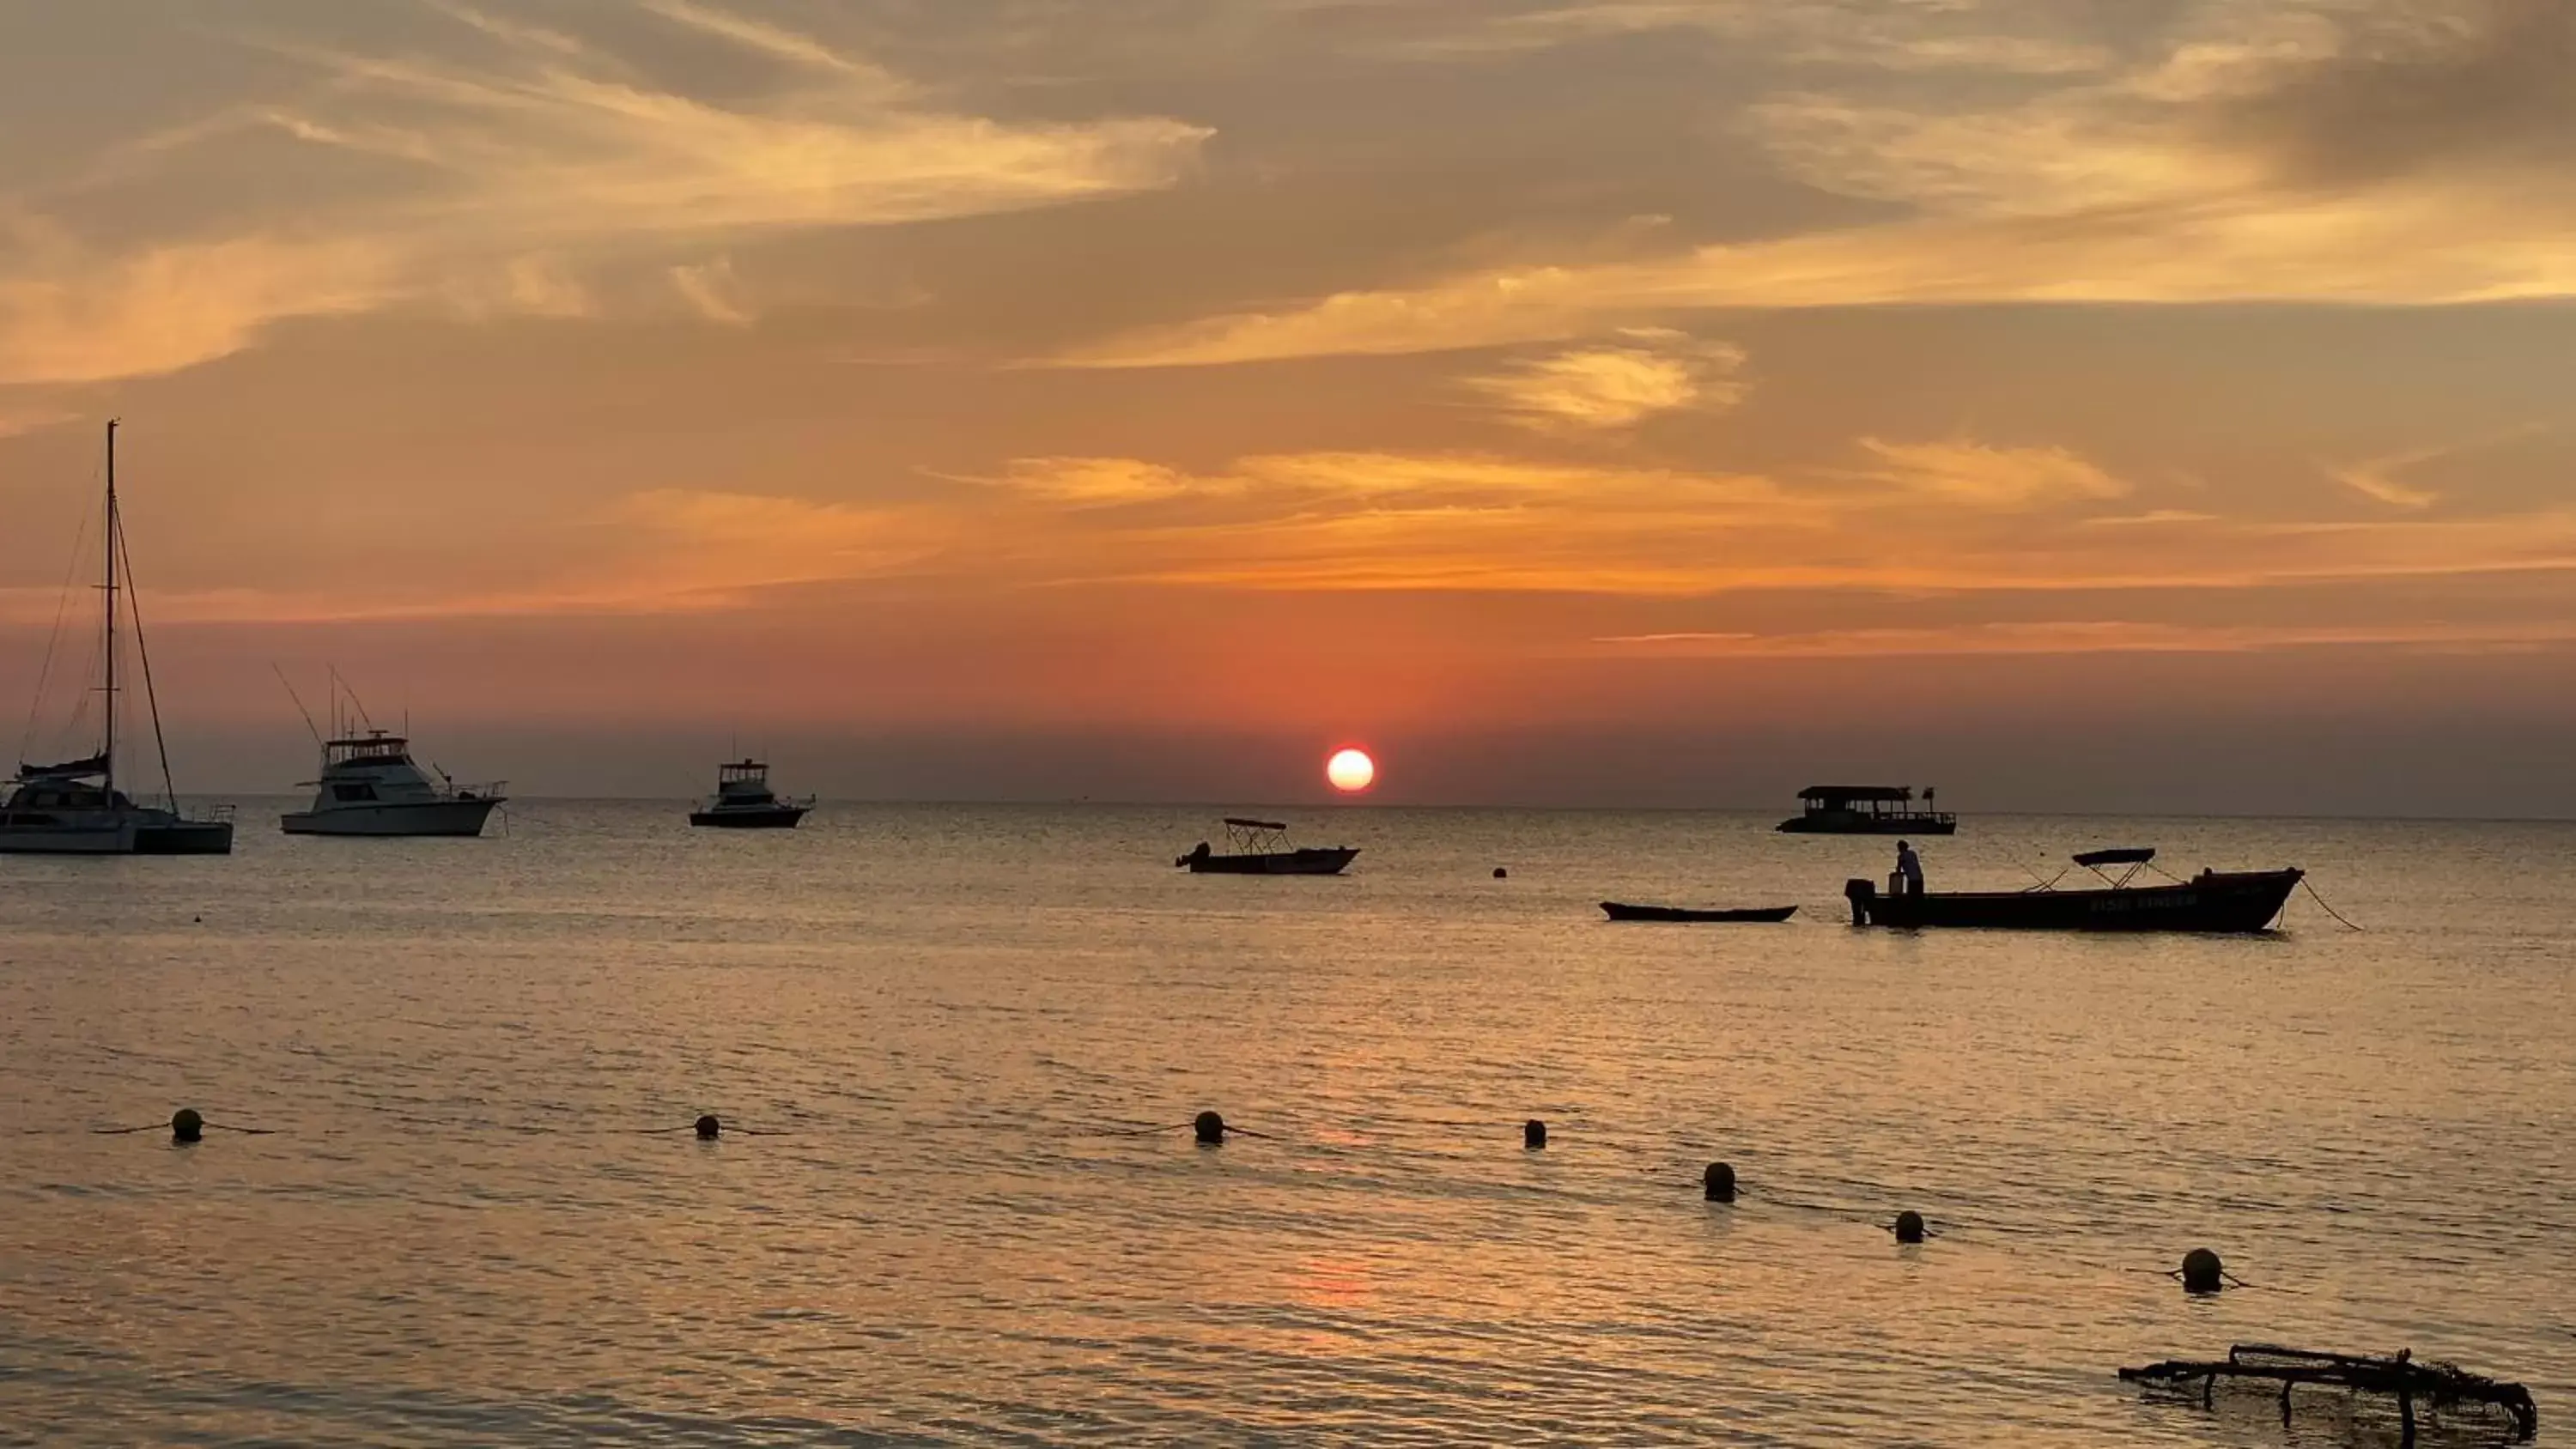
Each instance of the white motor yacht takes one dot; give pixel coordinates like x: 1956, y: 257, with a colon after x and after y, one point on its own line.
x: 370, y: 786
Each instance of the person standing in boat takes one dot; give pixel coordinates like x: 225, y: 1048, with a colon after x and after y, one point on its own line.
x: 1909, y: 869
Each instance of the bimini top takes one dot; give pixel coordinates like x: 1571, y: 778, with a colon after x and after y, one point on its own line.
x: 2126, y: 855
x: 1841, y: 794
x: 1242, y: 824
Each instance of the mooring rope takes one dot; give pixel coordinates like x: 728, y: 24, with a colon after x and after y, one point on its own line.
x: 164, y: 1127
x: 2321, y: 901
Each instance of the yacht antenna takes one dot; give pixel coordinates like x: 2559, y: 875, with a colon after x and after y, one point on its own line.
x: 309, y: 727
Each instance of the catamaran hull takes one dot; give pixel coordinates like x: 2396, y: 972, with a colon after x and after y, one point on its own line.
x: 1313, y: 860
x: 426, y: 817
x: 2236, y: 902
x: 187, y: 838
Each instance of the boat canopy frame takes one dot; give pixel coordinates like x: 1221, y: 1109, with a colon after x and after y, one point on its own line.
x: 1247, y: 836
x: 2138, y: 859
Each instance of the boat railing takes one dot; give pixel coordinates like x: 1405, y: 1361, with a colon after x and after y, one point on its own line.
x: 480, y: 790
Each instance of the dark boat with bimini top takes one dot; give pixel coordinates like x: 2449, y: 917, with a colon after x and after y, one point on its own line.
x: 74, y: 808
x: 2212, y: 901
x: 1260, y: 847
x: 744, y: 801
x: 1618, y: 911
x: 1867, y: 810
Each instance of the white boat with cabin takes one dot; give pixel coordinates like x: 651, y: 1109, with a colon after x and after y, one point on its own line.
x: 370, y: 786
x: 74, y: 808
x: 744, y: 801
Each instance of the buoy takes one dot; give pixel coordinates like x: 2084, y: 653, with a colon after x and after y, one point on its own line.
x: 1501, y: 874
x: 2202, y: 1272
x: 1533, y: 1134
x: 1909, y: 1227
x: 709, y: 1128
x: 1209, y: 1128
x: 186, y: 1125
x: 1719, y: 1181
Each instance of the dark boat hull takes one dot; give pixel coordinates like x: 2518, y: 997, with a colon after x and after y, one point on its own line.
x: 778, y: 817
x: 1618, y: 912
x: 1312, y: 860
x: 1869, y: 825
x: 2242, y: 901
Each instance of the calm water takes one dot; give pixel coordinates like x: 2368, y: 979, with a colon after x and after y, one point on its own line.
x: 461, y: 1232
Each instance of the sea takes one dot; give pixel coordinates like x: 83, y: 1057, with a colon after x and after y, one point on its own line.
x: 450, y: 1193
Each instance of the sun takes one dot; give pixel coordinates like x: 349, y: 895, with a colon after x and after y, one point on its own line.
x: 1351, y: 771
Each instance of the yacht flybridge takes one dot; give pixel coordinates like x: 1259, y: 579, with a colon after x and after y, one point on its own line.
x: 75, y: 808
x: 370, y: 786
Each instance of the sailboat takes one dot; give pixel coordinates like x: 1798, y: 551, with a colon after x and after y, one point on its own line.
x: 74, y: 808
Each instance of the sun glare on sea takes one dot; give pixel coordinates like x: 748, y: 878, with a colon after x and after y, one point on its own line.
x: 1351, y: 771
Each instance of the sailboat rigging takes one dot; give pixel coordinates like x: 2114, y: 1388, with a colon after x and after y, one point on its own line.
x: 74, y: 808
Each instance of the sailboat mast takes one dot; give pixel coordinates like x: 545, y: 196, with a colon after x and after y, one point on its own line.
x: 110, y: 752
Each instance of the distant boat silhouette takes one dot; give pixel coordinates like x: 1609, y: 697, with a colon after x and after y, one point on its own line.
x: 744, y: 801
x: 1759, y: 914
x: 1864, y: 810
x: 1260, y: 847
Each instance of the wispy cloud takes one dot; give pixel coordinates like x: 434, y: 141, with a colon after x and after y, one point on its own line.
x: 2216, y: 168
x: 1610, y: 386
x: 1978, y: 475
x: 525, y: 180
x: 2376, y: 478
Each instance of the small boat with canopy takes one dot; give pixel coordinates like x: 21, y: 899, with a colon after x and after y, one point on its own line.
x: 2212, y: 901
x: 1261, y: 847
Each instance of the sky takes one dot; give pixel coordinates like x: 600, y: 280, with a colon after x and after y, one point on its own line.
x: 2143, y: 405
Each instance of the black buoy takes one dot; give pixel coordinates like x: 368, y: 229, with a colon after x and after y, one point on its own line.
x: 1719, y: 1182
x: 1533, y: 1134
x: 1501, y: 874
x: 709, y: 1129
x: 2202, y: 1272
x: 1209, y: 1127
x: 1909, y: 1227
x: 187, y: 1126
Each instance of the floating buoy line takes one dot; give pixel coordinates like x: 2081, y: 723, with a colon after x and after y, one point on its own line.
x: 2202, y: 1271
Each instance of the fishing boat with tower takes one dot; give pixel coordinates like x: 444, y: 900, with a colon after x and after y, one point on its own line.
x: 744, y: 801
x: 371, y: 786
x: 75, y: 807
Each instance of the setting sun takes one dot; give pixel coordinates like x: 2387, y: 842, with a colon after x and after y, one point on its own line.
x: 1350, y: 771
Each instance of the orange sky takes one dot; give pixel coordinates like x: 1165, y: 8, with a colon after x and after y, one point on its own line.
x: 1622, y: 400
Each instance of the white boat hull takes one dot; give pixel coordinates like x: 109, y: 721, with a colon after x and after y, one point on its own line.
x: 405, y: 817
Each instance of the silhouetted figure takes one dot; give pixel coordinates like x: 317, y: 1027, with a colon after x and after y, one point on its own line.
x: 1909, y: 869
